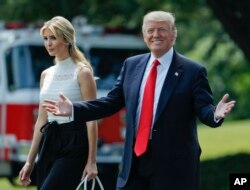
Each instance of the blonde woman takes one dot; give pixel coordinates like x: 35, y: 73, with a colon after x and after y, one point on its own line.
x: 66, y: 149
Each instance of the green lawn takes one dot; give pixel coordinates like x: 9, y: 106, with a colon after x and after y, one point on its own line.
x: 225, y: 150
x: 5, y: 185
x: 229, y: 139
x: 221, y: 149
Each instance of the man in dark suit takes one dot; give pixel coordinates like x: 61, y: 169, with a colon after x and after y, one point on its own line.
x: 169, y: 159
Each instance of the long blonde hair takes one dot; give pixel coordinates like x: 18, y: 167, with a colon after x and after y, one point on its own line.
x: 63, y: 29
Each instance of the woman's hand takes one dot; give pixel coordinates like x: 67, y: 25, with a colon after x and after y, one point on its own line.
x: 90, y: 171
x: 25, y: 173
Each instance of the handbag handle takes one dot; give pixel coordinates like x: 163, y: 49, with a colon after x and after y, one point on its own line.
x: 85, y: 180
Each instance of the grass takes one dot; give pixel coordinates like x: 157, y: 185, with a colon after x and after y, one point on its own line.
x: 5, y: 185
x: 229, y: 139
x: 224, y: 150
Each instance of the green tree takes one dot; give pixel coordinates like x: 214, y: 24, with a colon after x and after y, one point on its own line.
x: 228, y: 69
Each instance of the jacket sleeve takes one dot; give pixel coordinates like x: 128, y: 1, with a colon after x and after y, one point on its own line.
x: 102, y: 107
x: 203, y: 99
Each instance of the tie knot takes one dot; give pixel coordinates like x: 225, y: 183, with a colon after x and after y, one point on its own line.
x: 156, y: 63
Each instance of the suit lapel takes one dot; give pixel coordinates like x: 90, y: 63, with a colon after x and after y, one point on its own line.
x: 171, y: 80
x: 136, y: 80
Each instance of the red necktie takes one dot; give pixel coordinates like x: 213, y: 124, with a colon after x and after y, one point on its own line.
x: 147, y: 109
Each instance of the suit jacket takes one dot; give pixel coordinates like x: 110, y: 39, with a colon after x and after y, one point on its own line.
x: 185, y: 96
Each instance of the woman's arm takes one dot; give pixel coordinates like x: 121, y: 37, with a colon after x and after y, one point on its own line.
x: 27, y: 169
x: 88, y: 90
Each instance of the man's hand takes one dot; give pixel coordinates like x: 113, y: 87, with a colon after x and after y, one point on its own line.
x: 223, y: 107
x: 62, y: 107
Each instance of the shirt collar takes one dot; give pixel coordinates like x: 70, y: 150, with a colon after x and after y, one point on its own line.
x: 166, y: 59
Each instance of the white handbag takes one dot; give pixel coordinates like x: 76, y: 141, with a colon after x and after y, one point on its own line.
x: 85, y: 181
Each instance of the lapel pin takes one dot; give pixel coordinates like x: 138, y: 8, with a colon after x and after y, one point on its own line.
x: 176, y: 74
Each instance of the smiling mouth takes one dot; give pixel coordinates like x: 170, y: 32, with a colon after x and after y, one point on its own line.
x: 156, y: 43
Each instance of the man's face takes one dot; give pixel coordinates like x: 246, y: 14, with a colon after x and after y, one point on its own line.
x: 158, y: 36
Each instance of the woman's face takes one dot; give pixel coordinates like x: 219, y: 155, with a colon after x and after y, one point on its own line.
x: 55, y: 46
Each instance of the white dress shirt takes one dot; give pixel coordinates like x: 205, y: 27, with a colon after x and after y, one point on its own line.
x: 162, y: 71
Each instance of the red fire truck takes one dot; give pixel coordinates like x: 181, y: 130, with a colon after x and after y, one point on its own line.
x: 22, y: 58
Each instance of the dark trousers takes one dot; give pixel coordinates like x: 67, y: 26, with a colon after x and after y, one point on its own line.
x: 141, y: 177
x: 62, y: 157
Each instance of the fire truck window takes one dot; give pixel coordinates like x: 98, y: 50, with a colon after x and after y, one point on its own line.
x: 107, y: 64
x: 40, y: 60
x: 9, y: 69
x: 24, y: 66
